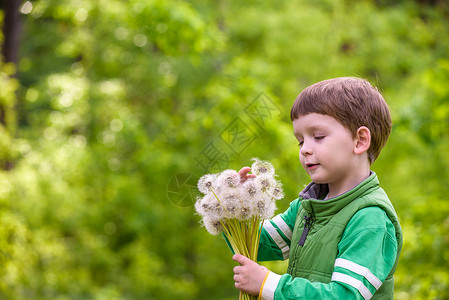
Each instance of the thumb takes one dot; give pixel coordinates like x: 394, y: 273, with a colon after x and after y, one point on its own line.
x: 243, y: 260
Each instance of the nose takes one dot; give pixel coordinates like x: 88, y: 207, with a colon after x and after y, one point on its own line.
x: 305, y: 149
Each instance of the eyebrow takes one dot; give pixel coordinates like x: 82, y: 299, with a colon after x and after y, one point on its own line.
x: 313, y: 128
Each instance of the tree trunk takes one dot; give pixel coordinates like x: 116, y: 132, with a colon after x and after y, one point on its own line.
x: 12, y: 28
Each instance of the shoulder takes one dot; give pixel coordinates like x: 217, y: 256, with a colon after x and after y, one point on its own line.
x: 371, y: 215
x: 370, y: 219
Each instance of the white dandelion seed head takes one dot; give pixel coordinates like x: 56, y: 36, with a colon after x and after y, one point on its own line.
x: 264, y: 209
x: 198, y: 206
x: 260, y: 167
x: 260, y: 207
x: 214, y: 227
x: 245, y: 211
x: 209, y: 207
x: 250, y: 188
x: 231, y: 204
x: 266, y: 182
x: 276, y: 192
x: 228, y: 179
x: 268, y: 213
x: 206, y: 183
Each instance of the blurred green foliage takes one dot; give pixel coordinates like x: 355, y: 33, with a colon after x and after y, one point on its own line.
x: 118, y: 107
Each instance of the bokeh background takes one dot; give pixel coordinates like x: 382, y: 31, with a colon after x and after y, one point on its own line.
x: 110, y: 111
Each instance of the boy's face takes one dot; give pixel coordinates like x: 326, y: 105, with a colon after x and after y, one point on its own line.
x: 326, y: 150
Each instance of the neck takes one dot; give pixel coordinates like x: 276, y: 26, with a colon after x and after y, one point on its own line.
x: 356, y: 177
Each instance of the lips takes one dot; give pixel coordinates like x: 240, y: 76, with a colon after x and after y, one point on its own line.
x: 312, y: 166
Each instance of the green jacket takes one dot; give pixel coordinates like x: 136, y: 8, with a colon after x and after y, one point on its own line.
x: 347, y: 250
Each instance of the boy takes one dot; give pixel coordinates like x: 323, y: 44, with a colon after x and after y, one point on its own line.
x: 342, y: 235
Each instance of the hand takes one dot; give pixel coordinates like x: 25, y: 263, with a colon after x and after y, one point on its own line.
x: 244, y: 174
x: 249, y: 275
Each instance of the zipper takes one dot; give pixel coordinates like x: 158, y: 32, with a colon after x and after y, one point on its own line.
x: 305, y: 231
x: 302, y: 239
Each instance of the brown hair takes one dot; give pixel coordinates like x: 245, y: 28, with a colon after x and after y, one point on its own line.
x: 353, y: 102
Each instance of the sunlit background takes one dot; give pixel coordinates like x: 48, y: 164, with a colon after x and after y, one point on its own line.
x: 110, y: 111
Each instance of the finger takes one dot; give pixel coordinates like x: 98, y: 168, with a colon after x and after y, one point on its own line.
x: 236, y: 269
x: 244, y: 172
x: 243, y: 260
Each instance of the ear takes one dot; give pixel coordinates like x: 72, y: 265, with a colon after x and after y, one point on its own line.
x: 362, y: 140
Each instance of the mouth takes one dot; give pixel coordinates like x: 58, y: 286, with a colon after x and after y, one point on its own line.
x: 312, y: 166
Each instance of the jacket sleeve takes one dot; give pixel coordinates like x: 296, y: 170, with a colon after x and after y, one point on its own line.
x: 277, y: 233
x: 367, y: 252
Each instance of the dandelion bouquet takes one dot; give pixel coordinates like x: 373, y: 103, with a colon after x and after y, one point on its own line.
x: 237, y: 208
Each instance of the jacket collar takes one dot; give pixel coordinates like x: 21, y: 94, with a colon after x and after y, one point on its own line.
x: 310, y: 196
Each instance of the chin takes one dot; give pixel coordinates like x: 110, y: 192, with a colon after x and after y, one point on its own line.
x: 318, y: 180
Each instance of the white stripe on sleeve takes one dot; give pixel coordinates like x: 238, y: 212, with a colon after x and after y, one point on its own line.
x: 357, y: 284
x: 277, y: 238
x: 358, y: 269
x: 283, y: 226
x: 270, y: 286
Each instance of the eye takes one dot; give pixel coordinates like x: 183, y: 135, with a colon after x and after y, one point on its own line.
x: 319, y: 137
x: 300, y: 143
